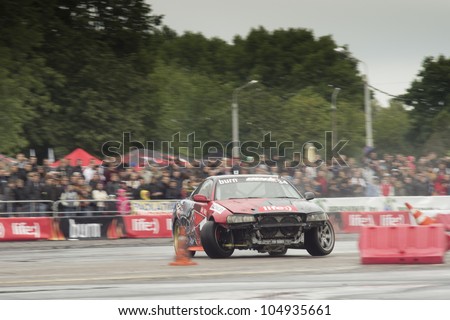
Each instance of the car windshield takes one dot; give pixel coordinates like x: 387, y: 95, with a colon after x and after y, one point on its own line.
x: 254, y: 187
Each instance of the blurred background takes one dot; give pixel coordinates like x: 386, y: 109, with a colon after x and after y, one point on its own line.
x: 82, y: 73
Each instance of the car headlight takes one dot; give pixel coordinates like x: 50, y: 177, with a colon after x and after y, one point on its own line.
x: 316, y: 216
x: 240, y: 218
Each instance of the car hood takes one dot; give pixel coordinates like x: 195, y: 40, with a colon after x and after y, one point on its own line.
x: 265, y: 205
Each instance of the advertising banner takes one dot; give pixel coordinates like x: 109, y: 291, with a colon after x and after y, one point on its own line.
x: 148, y: 226
x: 26, y: 228
x: 428, y: 205
x: 151, y: 207
x: 351, y: 222
x: 91, y: 227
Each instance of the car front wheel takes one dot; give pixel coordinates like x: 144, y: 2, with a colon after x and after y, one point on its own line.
x: 319, y: 241
x: 216, y: 240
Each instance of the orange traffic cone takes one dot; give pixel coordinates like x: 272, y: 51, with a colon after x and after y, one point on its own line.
x: 111, y: 232
x: 419, y: 216
x: 182, y: 256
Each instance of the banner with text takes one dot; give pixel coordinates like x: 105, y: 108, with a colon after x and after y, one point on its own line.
x: 428, y: 205
x: 351, y: 222
x: 150, y: 207
x: 108, y: 227
x: 148, y: 226
x: 26, y: 228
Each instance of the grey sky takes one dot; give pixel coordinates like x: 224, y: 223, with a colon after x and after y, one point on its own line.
x: 391, y: 37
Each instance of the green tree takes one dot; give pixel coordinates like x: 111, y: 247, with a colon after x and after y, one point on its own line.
x: 23, y: 73
x: 438, y: 141
x: 189, y: 102
x: 80, y: 73
x: 98, y: 51
x: 429, y: 95
x: 391, y: 126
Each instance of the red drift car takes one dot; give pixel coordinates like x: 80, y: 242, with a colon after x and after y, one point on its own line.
x: 261, y: 212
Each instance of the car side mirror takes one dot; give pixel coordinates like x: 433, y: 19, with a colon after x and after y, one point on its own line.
x: 309, y: 195
x: 200, y: 198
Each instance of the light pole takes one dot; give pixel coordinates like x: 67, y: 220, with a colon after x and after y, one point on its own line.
x: 367, y: 106
x: 333, y: 114
x: 235, y: 119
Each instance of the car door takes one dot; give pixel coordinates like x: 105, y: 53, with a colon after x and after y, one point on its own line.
x: 200, y: 209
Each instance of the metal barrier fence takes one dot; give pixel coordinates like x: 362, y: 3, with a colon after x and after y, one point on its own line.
x: 82, y: 207
x: 85, y: 207
x: 26, y: 208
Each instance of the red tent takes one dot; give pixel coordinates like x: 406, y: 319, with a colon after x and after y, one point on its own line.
x: 7, y: 159
x: 79, y: 154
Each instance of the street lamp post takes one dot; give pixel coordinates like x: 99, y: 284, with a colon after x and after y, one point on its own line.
x: 333, y: 114
x: 368, y: 111
x: 235, y: 119
x: 367, y: 106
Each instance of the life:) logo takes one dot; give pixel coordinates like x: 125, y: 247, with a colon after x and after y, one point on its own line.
x: 2, y: 230
x: 143, y: 225
x: 277, y: 208
x: 23, y: 229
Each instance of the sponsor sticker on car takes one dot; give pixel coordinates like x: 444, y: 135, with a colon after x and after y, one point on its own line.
x: 277, y: 208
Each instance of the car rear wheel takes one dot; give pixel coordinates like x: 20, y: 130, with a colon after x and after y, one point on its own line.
x: 176, y: 239
x: 216, y: 240
x: 319, y: 241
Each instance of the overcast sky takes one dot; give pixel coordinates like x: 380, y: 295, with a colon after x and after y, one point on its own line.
x: 391, y: 37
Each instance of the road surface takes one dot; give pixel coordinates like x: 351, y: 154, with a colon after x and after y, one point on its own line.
x: 138, y: 269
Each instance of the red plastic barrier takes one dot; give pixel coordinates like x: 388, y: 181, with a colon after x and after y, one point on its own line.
x: 444, y: 219
x: 148, y: 226
x: 403, y: 244
x: 25, y: 228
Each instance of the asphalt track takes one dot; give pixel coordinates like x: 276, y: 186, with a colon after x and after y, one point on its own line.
x: 138, y: 269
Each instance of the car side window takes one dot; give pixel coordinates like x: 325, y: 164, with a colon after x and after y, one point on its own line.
x: 196, y: 191
x: 206, y: 188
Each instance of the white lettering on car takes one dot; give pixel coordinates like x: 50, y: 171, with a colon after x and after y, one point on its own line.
x: 263, y: 179
x: 224, y: 181
x: 277, y: 208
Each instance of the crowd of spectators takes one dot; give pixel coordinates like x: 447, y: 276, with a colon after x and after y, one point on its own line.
x: 75, y: 187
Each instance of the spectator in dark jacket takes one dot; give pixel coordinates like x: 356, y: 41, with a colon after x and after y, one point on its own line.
x: 155, y: 189
x: 173, y: 191
x: 410, y: 189
x: 422, y: 185
x: 33, y: 189
x: 113, y: 185
x: 20, y: 194
x: 51, y: 191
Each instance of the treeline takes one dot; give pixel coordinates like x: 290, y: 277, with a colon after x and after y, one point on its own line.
x: 81, y: 73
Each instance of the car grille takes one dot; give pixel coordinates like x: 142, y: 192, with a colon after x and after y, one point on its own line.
x: 279, y: 226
